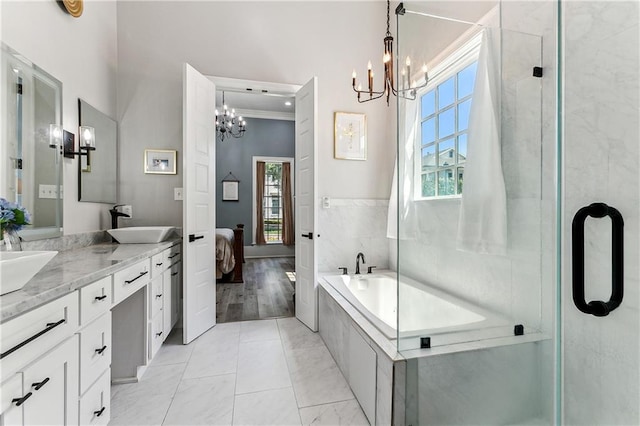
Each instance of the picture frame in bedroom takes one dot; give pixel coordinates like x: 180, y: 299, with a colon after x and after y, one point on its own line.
x: 230, y: 186
x: 229, y: 191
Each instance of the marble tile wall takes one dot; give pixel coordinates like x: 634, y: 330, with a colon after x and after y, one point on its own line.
x: 350, y: 226
x: 601, y: 164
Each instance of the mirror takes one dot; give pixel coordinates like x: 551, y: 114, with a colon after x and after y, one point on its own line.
x: 97, y: 169
x: 31, y: 173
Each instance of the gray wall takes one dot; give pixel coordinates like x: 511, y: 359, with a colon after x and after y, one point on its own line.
x: 267, y: 138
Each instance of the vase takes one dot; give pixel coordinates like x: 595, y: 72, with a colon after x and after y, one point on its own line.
x: 10, y: 240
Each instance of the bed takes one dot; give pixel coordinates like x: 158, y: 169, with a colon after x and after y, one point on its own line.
x: 230, y: 254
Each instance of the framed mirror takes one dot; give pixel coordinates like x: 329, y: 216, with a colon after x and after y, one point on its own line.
x: 31, y: 171
x: 97, y: 170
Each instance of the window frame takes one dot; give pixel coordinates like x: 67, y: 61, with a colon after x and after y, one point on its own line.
x: 449, y: 67
x: 254, y: 214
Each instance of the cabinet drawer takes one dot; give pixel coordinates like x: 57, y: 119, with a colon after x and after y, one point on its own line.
x: 159, y: 262
x: 95, y: 300
x: 53, y: 381
x: 156, y: 296
x: 10, y: 390
x: 173, y: 254
x: 156, y: 335
x: 30, y: 335
x: 95, y: 405
x: 95, y: 350
x: 129, y: 280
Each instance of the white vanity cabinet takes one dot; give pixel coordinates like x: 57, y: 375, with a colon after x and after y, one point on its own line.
x: 44, y: 391
x: 57, y: 360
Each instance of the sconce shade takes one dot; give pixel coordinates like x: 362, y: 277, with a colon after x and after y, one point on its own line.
x: 87, y: 138
x: 55, y: 135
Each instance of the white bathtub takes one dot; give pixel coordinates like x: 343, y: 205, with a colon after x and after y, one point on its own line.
x: 425, y: 311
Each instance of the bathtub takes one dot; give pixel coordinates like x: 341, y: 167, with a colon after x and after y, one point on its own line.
x: 425, y: 311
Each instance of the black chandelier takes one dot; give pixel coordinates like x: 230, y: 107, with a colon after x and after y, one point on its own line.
x: 408, y: 88
x: 227, y: 124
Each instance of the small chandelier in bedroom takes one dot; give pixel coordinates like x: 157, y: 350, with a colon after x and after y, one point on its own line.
x: 227, y: 124
x: 408, y: 87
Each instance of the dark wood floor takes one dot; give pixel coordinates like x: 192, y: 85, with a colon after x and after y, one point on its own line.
x: 267, y: 291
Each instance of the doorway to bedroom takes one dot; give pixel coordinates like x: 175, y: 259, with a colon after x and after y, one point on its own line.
x: 255, y: 245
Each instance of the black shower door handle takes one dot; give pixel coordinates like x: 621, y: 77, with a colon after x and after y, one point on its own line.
x: 598, y: 308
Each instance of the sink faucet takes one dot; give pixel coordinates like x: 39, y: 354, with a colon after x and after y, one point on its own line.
x: 115, y: 214
x: 358, y: 257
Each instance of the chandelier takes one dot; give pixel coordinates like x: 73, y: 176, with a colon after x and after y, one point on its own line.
x: 408, y: 87
x: 227, y: 124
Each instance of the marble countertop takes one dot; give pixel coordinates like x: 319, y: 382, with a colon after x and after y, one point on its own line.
x: 72, y: 269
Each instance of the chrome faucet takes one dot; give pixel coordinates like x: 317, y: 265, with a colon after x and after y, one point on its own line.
x: 358, y: 257
x: 115, y: 214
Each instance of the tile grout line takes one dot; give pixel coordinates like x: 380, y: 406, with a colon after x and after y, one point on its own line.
x: 186, y: 364
x: 295, y: 395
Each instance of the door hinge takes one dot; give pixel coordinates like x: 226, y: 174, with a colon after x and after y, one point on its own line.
x: 19, y: 88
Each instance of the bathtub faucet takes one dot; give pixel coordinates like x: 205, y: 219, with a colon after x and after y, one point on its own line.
x: 358, y: 257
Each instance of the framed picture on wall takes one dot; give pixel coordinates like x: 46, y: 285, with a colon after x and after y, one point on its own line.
x: 160, y: 161
x: 350, y: 136
x: 230, y: 188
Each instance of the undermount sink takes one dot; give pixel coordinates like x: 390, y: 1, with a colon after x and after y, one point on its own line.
x: 18, y: 267
x: 141, y: 234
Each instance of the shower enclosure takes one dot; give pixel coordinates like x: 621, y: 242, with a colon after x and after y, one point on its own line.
x: 527, y: 118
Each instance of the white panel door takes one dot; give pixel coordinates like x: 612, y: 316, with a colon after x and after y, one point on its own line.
x: 199, y: 284
x: 306, y: 204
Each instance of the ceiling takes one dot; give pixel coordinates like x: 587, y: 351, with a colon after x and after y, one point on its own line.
x: 256, y: 101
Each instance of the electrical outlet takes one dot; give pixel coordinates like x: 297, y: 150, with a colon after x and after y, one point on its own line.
x: 127, y: 210
x: 177, y: 194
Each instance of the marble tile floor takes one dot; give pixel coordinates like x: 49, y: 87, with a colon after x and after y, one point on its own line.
x: 266, y: 372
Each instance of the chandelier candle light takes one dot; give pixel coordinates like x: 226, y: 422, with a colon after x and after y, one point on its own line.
x: 407, y: 90
x: 227, y: 124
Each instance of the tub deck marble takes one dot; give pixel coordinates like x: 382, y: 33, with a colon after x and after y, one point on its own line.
x: 73, y: 269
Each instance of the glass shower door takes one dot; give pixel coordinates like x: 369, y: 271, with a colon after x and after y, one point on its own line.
x: 474, y: 246
x: 599, y: 136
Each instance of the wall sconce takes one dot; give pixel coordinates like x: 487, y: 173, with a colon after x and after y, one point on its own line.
x: 87, y: 142
x: 55, y: 136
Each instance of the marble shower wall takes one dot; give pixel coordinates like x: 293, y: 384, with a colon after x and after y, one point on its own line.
x: 601, y: 163
x: 350, y: 226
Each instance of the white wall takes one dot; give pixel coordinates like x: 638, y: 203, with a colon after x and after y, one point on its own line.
x: 285, y: 42
x: 601, y: 162
x: 82, y: 54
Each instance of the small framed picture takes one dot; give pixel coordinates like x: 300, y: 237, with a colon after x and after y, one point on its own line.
x: 229, y: 190
x: 160, y: 161
x: 350, y: 137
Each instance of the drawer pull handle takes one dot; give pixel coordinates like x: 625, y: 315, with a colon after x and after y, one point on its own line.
x: 159, y: 334
x: 99, y: 412
x: 50, y: 326
x: 174, y: 255
x: 159, y: 264
x: 174, y: 274
x: 158, y: 296
x: 100, y: 298
x: 142, y: 274
x: 20, y: 401
x: 101, y: 350
x: 39, y: 385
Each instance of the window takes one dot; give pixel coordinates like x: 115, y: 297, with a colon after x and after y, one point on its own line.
x: 444, y: 120
x: 270, y: 222
x: 272, y: 202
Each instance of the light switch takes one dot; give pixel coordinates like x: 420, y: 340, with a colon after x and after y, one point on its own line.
x: 326, y: 202
x: 127, y: 210
x: 177, y: 194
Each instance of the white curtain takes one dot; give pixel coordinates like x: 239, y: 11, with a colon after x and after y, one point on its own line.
x: 482, y: 226
x: 408, y: 122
